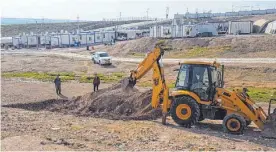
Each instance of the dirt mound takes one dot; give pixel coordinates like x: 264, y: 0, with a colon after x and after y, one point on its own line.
x: 111, y: 103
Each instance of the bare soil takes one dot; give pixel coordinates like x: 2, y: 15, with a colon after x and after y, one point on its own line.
x: 35, y: 129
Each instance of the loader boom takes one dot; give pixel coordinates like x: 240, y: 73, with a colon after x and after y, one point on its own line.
x: 160, y: 91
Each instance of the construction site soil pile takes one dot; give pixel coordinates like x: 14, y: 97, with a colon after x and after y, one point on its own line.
x: 111, y: 103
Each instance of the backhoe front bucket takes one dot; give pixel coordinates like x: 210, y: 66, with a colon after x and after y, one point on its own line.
x: 270, y: 125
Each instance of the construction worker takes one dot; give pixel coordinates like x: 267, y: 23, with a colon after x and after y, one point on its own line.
x: 96, y: 82
x: 58, y: 85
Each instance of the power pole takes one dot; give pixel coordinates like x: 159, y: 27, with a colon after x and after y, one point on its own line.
x: 147, y: 13
x: 167, y: 12
x: 120, y: 16
x: 78, y: 23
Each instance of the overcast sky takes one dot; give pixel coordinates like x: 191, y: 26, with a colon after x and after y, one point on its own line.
x: 99, y: 9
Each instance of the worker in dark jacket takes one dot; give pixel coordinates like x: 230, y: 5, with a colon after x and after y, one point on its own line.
x: 96, y: 82
x: 58, y: 85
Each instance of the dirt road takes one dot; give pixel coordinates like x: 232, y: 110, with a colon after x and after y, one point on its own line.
x: 137, y: 60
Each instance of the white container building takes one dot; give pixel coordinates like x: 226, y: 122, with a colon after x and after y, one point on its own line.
x: 199, y: 29
x: 245, y: 13
x: 16, y: 42
x: 32, y: 40
x: 109, y: 36
x: 231, y: 14
x: 177, y: 31
x: 240, y: 27
x: 258, y: 12
x: 55, y: 41
x: 98, y: 37
x: 45, y: 39
x: 270, y: 11
x: 65, y: 39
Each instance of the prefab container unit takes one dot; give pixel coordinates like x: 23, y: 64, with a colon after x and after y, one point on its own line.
x: 166, y: 32
x: 74, y: 39
x: 151, y: 34
x: 109, y: 36
x: 90, y: 38
x: 245, y: 13
x: 65, y: 40
x: 32, y: 40
x: 204, y: 15
x: 16, y: 42
x: 258, y: 12
x: 192, y: 16
x: 6, y: 40
x: 24, y: 40
x: 86, y: 38
x: 271, y: 28
x: 199, y: 29
x: 270, y: 11
x: 177, y: 31
x: 83, y: 38
x: 178, y: 16
x: 45, y: 40
x: 177, y: 21
x: 221, y: 27
x: 156, y: 31
x: 218, y: 14
x: 55, y: 41
x: 231, y: 14
x: 240, y: 27
x: 98, y: 37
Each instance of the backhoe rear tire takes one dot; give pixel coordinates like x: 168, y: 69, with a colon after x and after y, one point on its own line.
x: 234, y: 124
x: 185, y: 111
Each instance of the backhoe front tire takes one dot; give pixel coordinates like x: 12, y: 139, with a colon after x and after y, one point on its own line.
x: 185, y: 111
x: 234, y: 124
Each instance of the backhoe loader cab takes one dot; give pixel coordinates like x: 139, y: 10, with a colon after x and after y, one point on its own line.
x: 200, y: 94
x: 200, y: 78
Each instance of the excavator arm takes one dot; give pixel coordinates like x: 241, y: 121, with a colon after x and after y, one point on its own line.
x: 160, y: 91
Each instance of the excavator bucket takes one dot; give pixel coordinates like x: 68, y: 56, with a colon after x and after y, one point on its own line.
x: 270, y: 125
x: 127, y: 84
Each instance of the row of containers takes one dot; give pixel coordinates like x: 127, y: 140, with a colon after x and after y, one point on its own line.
x: 228, y: 14
x: 205, y: 29
x: 69, y: 39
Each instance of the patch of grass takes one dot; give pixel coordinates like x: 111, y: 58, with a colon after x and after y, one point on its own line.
x: 105, y: 78
x: 65, y: 76
x: 199, y: 52
x: 260, y: 94
x: 144, y: 84
x: 160, y: 42
x: 32, y: 75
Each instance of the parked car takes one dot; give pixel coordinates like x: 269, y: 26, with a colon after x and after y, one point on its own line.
x: 101, y: 58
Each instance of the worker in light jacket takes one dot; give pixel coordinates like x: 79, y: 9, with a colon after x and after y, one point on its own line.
x: 57, y: 82
x: 96, y: 82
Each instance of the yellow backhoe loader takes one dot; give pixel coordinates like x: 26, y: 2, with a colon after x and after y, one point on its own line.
x: 200, y: 94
